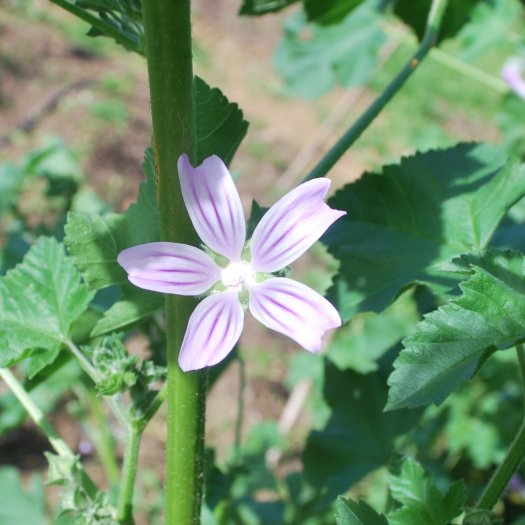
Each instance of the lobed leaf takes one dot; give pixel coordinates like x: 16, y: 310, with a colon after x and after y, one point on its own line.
x: 422, y: 501
x: 406, y: 223
x: 344, y: 54
x: 446, y: 347
x: 40, y: 299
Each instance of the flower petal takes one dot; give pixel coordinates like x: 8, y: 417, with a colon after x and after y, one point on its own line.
x: 169, y: 267
x: 293, y: 309
x: 512, y: 74
x: 214, y: 205
x: 291, y: 226
x: 213, y: 329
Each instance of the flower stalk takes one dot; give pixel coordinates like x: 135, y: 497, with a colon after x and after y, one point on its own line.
x: 167, y: 31
x: 434, y: 19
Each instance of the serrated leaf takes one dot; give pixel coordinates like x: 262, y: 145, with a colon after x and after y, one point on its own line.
x: 359, y: 436
x: 344, y: 54
x: 122, y: 16
x: 135, y: 306
x: 446, y: 346
x: 95, y: 241
x: 422, y: 501
x: 329, y: 11
x: 39, y: 301
x: 261, y: 7
x: 360, y: 343
x: 220, y: 123
x: 415, y: 13
x: 349, y: 512
x: 404, y: 224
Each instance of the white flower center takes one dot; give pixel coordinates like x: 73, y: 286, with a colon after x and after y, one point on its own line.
x: 238, y: 275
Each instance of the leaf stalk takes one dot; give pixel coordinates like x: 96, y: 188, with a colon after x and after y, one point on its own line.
x: 434, y: 19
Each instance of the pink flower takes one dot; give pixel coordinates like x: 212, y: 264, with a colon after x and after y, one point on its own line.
x: 235, y: 274
x: 512, y: 74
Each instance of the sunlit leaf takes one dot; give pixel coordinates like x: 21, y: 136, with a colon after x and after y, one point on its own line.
x: 447, y: 345
x: 39, y: 301
x: 348, y: 512
x: 421, y: 500
x: 404, y: 224
x: 313, y: 59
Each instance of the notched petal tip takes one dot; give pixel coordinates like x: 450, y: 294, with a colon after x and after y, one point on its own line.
x: 213, y: 330
x: 167, y: 267
x: 295, y: 310
x: 292, y: 225
x: 213, y: 204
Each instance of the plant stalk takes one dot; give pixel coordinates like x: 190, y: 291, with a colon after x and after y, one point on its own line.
x: 512, y: 461
x: 129, y: 474
x: 58, y: 444
x: 167, y: 29
x: 435, y: 17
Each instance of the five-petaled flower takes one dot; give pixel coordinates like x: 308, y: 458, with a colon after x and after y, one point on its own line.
x: 236, y: 274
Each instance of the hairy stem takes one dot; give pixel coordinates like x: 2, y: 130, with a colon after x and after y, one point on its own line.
x: 129, y: 474
x: 512, y: 461
x: 167, y: 29
x: 361, y: 124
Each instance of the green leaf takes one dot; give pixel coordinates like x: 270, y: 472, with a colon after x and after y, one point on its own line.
x: 329, y: 11
x: 135, y: 306
x: 404, y: 224
x: 447, y: 345
x: 348, y: 512
x: 220, y: 123
x: 11, y: 178
x: 39, y: 301
x: 421, y: 500
x: 95, y: 241
x: 123, y: 16
x: 415, y: 13
x: 360, y: 343
x: 344, y: 54
x: 261, y: 7
x: 359, y: 436
x: 18, y: 504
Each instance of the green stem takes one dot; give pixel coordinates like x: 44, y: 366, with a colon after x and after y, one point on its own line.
x: 361, y: 124
x: 36, y: 414
x: 240, y: 409
x: 103, y: 439
x: 129, y: 474
x: 99, y: 24
x: 167, y: 30
x: 512, y: 461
